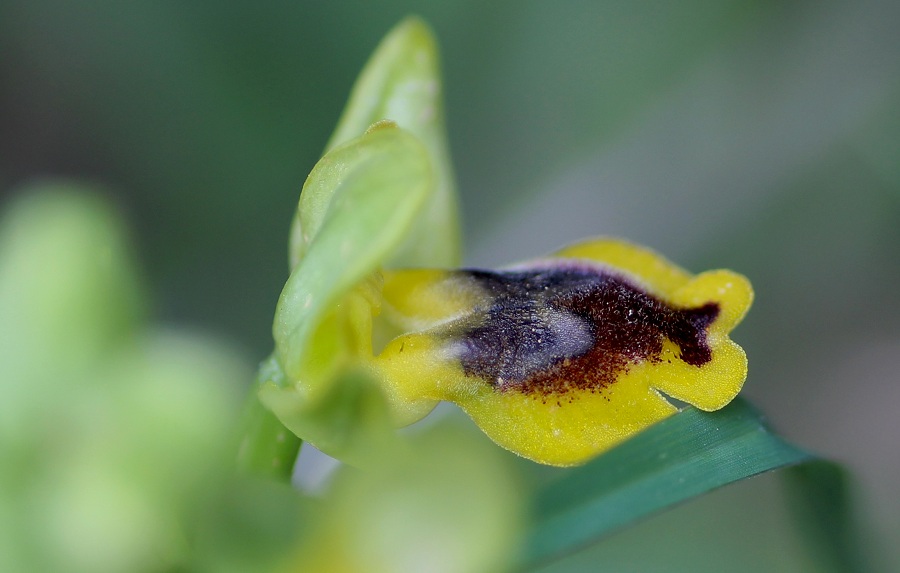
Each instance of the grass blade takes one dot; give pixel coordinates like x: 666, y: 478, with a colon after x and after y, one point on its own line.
x: 819, y: 495
x: 687, y: 455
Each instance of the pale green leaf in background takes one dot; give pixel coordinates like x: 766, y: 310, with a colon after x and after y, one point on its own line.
x: 449, y: 503
x: 113, y: 433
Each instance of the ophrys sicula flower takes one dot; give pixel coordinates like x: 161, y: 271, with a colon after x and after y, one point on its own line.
x: 556, y: 359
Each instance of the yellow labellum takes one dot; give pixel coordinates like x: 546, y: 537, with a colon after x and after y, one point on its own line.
x: 561, y: 358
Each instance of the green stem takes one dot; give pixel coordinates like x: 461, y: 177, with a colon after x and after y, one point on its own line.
x: 266, y: 447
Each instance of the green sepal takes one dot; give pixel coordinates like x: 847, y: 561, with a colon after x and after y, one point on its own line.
x: 356, y: 207
x: 358, y: 204
x: 401, y: 83
x: 349, y: 422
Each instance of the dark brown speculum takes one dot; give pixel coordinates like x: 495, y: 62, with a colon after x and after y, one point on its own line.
x: 571, y: 326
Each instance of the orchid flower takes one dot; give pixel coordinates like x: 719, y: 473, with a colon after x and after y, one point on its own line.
x: 556, y: 359
x: 560, y: 358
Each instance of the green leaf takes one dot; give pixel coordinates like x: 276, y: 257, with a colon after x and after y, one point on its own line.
x: 401, y: 83
x: 69, y: 296
x: 680, y: 458
x: 359, y: 201
x: 819, y: 495
x: 67, y: 282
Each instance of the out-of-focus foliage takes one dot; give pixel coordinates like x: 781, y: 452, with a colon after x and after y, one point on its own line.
x: 448, y: 505
x: 111, y: 431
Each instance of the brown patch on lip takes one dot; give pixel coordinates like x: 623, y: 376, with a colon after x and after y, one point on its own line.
x: 573, y: 327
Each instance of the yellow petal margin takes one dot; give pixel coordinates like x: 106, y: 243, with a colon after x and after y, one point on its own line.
x: 561, y: 358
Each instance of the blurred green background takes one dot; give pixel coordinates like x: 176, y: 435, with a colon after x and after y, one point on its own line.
x: 759, y: 135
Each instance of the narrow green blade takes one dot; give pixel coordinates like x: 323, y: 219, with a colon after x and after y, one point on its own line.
x: 689, y: 454
x: 819, y: 493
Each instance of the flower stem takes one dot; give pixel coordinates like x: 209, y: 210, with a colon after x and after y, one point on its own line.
x: 266, y: 447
